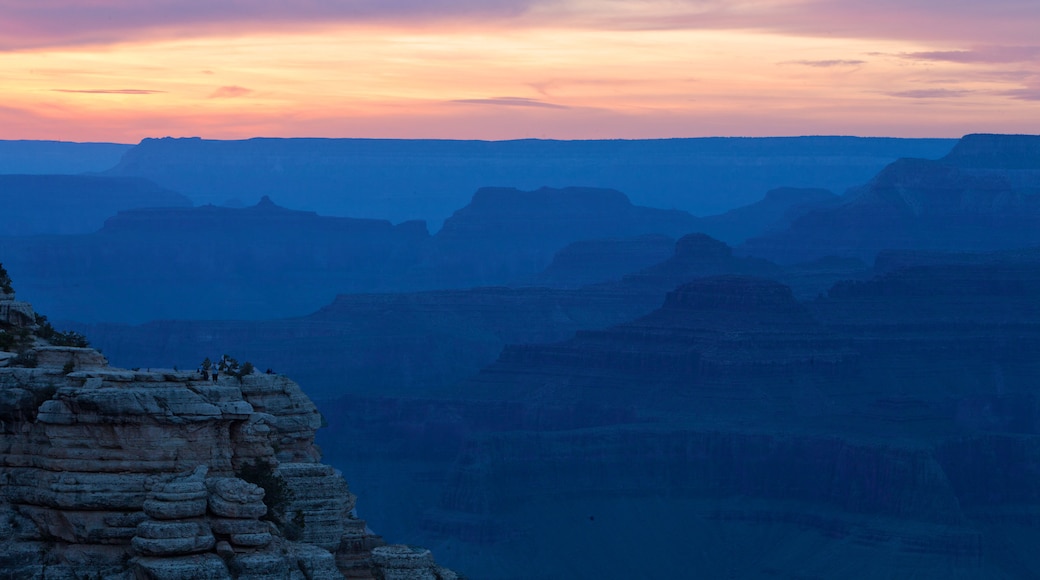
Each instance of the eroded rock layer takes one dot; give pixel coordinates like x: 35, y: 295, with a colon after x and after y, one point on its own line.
x: 129, y: 474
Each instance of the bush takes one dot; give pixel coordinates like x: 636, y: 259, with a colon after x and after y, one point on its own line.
x: 228, y: 365
x: 25, y: 359
x: 70, y: 338
x: 247, y: 369
x: 15, y: 340
x: 46, y: 331
x: 277, y: 494
x: 5, y: 281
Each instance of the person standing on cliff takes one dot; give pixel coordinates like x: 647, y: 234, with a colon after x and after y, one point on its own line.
x: 205, y: 368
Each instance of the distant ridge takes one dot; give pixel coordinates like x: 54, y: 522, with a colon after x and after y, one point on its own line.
x: 983, y: 196
x: 74, y: 204
x: 58, y: 157
x: 989, y: 151
x: 428, y: 179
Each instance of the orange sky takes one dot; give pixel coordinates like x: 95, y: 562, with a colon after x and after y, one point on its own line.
x: 116, y: 70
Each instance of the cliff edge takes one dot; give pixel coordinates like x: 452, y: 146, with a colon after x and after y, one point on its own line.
x: 167, y: 475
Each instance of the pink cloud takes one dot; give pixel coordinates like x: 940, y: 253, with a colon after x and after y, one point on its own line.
x: 930, y: 94
x: 42, y: 23
x: 230, y: 92
x: 982, y: 54
x: 66, y: 22
x: 109, y: 91
x: 827, y: 63
x: 511, y: 102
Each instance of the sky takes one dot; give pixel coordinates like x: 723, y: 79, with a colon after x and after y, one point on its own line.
x: 123, y: 70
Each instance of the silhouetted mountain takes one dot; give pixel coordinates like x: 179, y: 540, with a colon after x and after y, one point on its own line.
x: 999, y: 152
x: 696, y: 256
x: 775, y: 212
x: 73, y: 204
x: 968, y: 201
x: 504, y: 234
x: 210, y: 262
x: 58, y: 157
x: 592, y: 261
x: 428, y: 179
x: 270, y: 262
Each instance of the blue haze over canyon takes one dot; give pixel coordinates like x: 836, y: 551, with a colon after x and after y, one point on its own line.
x: 798, y: 357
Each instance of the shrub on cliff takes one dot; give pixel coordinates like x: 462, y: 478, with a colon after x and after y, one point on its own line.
x: 25, y: 359
x: 7, y: 340
x: 277, y: 494
x: 5, y: 281
x: 230, y: 366
x: 47, y: 332
x: 247, y: 369
x: 70, y: 338
x: 15, y: 340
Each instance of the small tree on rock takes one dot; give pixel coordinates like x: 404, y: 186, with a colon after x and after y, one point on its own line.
x: 5, y: 281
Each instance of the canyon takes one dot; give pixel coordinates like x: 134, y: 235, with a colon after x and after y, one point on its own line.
x: 562, y: 382
x: 167, y: 474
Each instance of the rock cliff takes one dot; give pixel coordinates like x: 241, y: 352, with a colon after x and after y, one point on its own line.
x: 166, y: 474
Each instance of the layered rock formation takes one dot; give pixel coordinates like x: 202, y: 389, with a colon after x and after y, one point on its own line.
x: 890, y: 426
x: 114, y: 473
x: 711, y: 344
x: 982, y: 196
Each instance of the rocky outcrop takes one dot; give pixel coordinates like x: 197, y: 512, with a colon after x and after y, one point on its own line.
x: 143, y: 474
x: 14, y: 314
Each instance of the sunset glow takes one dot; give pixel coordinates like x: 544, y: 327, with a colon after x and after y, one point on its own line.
x: 501, y: 70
